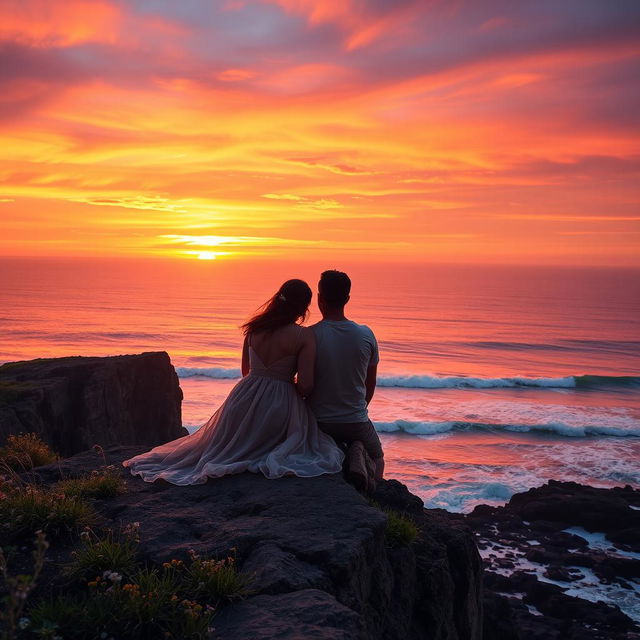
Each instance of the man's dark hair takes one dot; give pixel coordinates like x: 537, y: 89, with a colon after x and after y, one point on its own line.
x: 334, y: 286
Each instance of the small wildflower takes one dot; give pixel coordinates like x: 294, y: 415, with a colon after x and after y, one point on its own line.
x: 113, y: 576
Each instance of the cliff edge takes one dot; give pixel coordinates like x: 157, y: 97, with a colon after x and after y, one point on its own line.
x: 77, y: 402
x: 320, y: 562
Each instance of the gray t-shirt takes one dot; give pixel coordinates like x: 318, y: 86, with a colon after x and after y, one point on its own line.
x: 344, y: 352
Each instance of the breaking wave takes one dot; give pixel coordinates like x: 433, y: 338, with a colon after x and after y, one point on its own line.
x: 557, y: 428
x: 451, y: 382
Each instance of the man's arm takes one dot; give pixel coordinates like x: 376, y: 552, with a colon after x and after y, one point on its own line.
x: 370, y: 382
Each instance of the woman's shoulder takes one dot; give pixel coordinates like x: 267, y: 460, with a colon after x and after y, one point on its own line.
x: 287, y: 332
x: 297, y: 334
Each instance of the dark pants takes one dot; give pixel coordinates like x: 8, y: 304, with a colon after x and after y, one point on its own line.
x: 351, y: 431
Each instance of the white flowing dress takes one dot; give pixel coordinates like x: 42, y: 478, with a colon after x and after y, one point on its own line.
x: 263, y: 426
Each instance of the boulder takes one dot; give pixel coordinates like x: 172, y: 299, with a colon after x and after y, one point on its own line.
x: 569, y: 503
x: 77, y: 402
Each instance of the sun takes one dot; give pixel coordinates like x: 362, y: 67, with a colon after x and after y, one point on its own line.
x: 207, y: 255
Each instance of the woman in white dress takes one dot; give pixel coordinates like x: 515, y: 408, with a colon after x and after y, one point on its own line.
x: 264, y: 425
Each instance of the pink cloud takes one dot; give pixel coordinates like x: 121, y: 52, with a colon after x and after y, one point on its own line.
x: 361, y: 22
x: 45, y: 23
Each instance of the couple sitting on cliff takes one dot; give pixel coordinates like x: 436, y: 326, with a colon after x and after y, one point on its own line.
x: 273, y: 425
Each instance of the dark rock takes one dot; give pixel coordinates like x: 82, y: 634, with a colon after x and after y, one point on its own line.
x: 611, y: 567
x: 499, y: 620
x: 276, y: 571
x: 531, y: 525
x: 75, y: 403
x: 562, y: 574
x: 550, y: 600
x: 308, y: 614
x: 571, y: 504
x: 629, y: 537
x: 316, y: 552
x: 396, y: 496
x: 563, y: 540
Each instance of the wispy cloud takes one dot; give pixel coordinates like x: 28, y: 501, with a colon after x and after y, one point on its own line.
x: 407, y: 129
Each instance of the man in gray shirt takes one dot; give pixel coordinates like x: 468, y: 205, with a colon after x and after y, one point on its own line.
x: 345, y: 371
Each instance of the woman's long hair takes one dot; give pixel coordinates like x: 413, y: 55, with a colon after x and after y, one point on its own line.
x: 289, y: 304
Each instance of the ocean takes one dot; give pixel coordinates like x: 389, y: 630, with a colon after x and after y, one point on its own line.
x: 492, y: 379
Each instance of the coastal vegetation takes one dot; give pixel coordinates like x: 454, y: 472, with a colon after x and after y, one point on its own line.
x: 106, y: 482
x: 400, y: 529
x: 26, y: 450
x: 97, y: 584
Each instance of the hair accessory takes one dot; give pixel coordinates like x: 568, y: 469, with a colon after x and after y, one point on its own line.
x: 282, y: 298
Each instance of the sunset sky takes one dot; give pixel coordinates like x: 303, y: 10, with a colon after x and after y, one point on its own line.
x: 458, y: 131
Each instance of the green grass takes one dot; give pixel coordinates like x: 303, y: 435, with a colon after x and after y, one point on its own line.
x: 28, y: 508
x: 101, y: 483
x: 214, y: 579
x: 56, y: 616
x: 164, y: 584
x: 113, y: 552
x: 400, y: 530
x: 119, y: 611
x: 174, y: 601
x: 124, y: 600
x: 24, y: 451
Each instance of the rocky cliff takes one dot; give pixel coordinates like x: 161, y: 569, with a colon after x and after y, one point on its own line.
x: 319, y: 555
x: 321, y: 565
x: 74, y: 403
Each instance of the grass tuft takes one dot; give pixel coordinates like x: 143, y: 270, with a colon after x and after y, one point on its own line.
x: 29, y: 508
x: 214, y: 579
x: 114, y: 553
x: 127, y: 601
x: 26, y: 451
x: 400, y: 530
x: 101, y: 483
x: 120, y: 611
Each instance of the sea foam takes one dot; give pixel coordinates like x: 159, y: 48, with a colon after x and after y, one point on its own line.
x: 557, y: 428
x: 217, y: 373
x: 410, y: 382
x: 464, y: 382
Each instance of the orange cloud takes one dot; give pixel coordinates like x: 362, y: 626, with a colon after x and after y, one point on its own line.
x: 45, y: 23
x: 404, y: 130
x: 362, y: 25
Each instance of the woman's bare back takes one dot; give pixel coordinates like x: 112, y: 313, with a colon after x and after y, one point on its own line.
x: 275, y: 345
